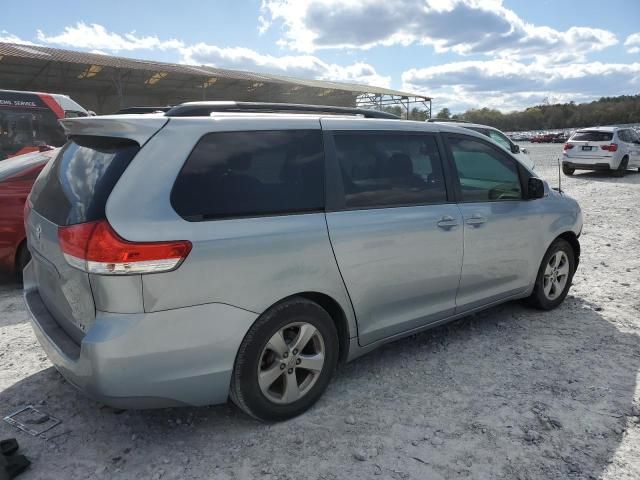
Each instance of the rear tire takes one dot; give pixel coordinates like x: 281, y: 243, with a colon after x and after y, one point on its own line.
x: 622, y: 168
x: 271, y: 379
x: 568, y: 170
x: 551, y: 288
x: 23, y: 257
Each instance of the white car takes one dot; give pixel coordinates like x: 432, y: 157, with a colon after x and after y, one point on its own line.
x: 498, y: 137
x: 613, y: 149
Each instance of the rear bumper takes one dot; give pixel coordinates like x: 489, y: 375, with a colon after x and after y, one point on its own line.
x: 587, y: 166
x: 146, y: 360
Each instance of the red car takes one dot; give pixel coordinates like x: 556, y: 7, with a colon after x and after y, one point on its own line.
x: 17, y: 175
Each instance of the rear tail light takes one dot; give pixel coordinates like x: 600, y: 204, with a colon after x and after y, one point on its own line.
x: 95, y: 247
x: 568, y: 146
x: 610, y: 148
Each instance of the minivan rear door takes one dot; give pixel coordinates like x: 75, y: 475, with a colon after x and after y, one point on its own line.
x: 73, y: 189
x: 397, y: 240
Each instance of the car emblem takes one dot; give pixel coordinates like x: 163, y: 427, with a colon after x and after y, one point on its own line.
x: 38, y: 232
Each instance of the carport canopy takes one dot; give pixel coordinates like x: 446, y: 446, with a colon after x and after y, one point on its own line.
x: 105, y: 83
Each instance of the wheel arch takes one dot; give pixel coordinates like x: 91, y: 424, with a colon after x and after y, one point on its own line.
x: 335, y: 311
x: 572, y: 239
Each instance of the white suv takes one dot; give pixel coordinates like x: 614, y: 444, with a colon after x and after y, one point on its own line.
x: 614, y: 149
x: 497, y: 136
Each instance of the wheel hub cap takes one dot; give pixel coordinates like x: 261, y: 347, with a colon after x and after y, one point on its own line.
x: 556, y: 275
x: 291, y: 362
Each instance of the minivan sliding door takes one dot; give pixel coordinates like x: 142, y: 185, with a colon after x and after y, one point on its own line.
x: 397, y: 241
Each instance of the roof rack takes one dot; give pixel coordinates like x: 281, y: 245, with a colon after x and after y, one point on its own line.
x: 128, y: 110
x: 201, y: 109
x: 446, y: 120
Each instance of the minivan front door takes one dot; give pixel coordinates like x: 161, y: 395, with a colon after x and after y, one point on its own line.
x: 397, y: 241
x: 501, y: 229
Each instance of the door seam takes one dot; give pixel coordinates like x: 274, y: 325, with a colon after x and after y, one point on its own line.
x: 333, y: 252
x: 455, y: 300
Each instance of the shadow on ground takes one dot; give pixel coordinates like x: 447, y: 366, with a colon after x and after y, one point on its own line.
x: 632, y: 176
x: 509, y: 393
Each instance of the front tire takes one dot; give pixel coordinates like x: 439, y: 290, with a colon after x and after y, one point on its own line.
x: 554, y: 276
x: 285, y: 361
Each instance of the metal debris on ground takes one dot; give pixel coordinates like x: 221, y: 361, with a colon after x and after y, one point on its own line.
x: 32, y: 421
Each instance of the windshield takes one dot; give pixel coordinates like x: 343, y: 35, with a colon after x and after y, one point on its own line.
x: 27, y: 123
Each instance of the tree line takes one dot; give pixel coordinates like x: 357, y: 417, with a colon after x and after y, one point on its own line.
x: 605, y: 111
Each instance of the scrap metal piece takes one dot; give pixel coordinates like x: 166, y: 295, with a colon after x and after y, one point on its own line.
x: 27, y: 417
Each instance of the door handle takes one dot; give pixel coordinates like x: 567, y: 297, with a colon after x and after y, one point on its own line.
x: 475, y: 220
x: 447, y: 222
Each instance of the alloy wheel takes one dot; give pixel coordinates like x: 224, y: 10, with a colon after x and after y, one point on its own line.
x: 291, y: 362
x: 556, y: 275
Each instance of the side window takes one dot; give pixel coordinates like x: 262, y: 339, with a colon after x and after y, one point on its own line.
x: 239, y: 174
x: 389, y: 169
x: 633, y: 135
x: 485, y: 173
x: 500, y: 139
x: 624, y: 135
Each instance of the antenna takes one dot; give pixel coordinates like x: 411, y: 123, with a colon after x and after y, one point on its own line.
x: 559, y: 176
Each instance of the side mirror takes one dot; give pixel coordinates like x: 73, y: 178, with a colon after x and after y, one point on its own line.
x: 515, y: 148
x: 535, y: 188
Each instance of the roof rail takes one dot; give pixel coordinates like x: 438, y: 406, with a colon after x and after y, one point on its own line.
x: 128, y: 110
x: 203, y: 109
x: 446, y: 120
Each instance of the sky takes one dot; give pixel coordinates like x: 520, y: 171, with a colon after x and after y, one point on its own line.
x: 504, y: 54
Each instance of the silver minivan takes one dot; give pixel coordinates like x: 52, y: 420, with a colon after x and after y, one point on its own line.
x: 228, y: 250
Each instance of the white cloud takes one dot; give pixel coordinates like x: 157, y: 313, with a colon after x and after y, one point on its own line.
x: 462, y: 26
x: 96, y: 37
x: 307, y: 66
x: 10, y: 38
x: 633, y: 43
x: 508, y: 85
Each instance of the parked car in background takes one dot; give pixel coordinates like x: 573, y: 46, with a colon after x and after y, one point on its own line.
x: 29, y: 121
x: 500, y: 138
x: 612, y: 149
x: 17, y: 175
x: 543, y: 138
x: 264, y: 247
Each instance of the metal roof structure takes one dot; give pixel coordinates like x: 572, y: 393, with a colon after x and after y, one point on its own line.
x: 107, y: 83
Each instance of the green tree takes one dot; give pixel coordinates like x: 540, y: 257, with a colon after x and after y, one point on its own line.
x: 445, y: 114
x: 605, y: 111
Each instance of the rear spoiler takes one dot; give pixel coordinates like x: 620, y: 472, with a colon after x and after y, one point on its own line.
x: 135, y: 127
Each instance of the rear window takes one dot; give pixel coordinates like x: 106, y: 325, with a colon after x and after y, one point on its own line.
x: 74, y: 187
x: 592, y: 136
x: 240, y: 174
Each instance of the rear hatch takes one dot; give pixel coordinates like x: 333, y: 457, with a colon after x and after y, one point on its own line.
x: 589, y: 144
x: 72, y: 189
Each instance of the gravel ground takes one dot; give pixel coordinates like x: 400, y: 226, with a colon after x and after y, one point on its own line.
x: 511, y: 393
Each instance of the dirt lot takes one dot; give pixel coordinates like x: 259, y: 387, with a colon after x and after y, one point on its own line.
x: 512, y: 393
